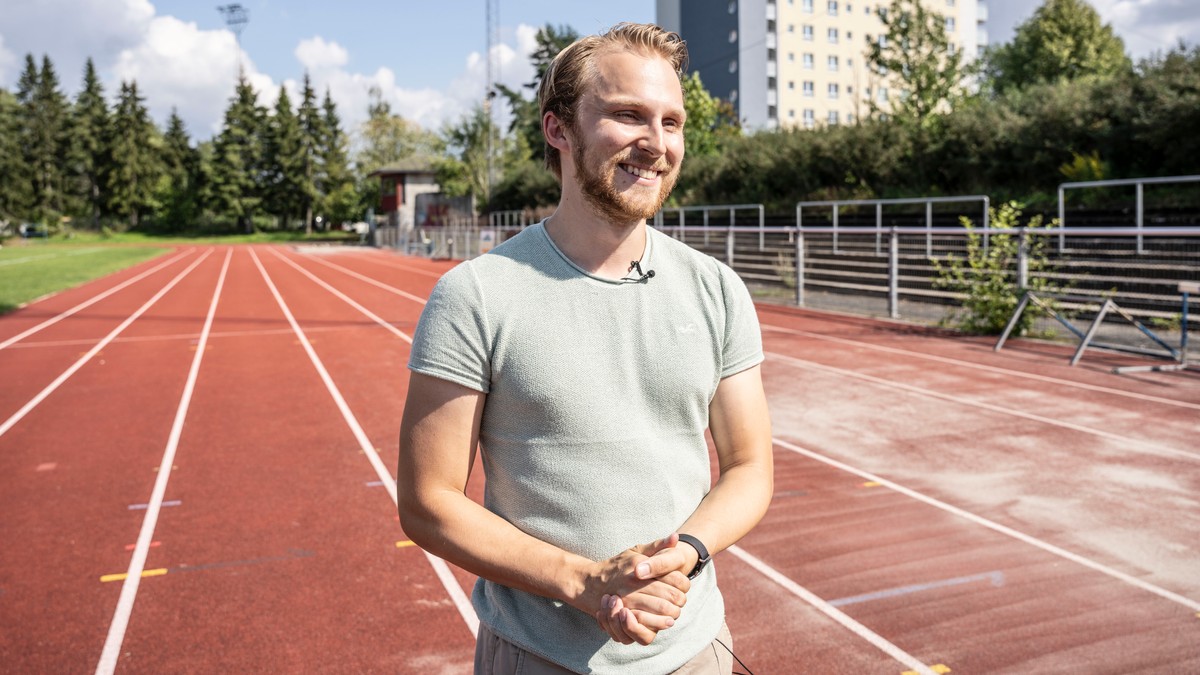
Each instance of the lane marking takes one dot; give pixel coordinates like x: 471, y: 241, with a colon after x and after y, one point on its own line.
x: 33, y: 403
x: 1002, y: 529
x: 461, y: 602
x: 391, y: 289
x: 141, y: 507
x: 981, y: 366
x: 87, y: 303
x: 1148, y: 446
x: 137, y: 562
x: 402, y: 268
x: 996, y: 578
x: 158, y: 572
x: 937, y: 668
x: 47, y: 466
x: 914, y: 664
x: 374, y: 483
x: 344, y: 298
x: 404, y: 544
x: 153, y: 544
x: 869, y: 484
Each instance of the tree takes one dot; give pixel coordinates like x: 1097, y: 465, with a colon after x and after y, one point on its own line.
x: 44, y: 120
x: 12, y: 195
x: 178, y: 190
x: 134, y: 163
x: 233, y: 184
x: 312, y: 130
x: 388, y: 138
x: 1064, y: 39
x: 464, y: 172
x: 526, y: 122
x: 86, y: 153
x: 339, y: 200
x: 916, y: 51
x: 709, y: 119
x: 284, y: 162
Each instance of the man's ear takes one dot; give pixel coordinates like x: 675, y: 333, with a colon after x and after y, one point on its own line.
x: 556, y: 133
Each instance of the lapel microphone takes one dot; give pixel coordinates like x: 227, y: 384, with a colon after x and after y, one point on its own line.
x: 635, y: 265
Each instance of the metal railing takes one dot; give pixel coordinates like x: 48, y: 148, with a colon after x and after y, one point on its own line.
x: 880, y: 203
x: 705, y: 221
x: 1140, y: 184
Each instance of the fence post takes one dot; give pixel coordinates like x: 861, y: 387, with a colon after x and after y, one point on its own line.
x: 835, y: 229
x: 729, y: 241
x: 1140, y: 219
x: 928, y: 229
x: 1022, y: 259
x: 799, y: 267
x: 894, y: 274
x: 878, y: 225
x: 762, y: 229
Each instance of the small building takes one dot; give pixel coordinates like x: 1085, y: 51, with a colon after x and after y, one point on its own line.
x: 399, y: 185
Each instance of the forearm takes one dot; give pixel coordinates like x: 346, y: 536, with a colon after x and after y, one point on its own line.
x: 455, y: 528
x: 733, y: 507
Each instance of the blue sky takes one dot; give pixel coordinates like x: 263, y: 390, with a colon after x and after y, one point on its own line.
x: 425, y: 57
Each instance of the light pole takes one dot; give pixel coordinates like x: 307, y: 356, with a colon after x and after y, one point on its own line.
x: 236, y: 18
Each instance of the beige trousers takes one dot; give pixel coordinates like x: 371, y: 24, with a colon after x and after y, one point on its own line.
x: 496, y: 656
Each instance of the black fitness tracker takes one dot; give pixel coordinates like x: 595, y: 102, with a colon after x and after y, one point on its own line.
x: 702, y: 560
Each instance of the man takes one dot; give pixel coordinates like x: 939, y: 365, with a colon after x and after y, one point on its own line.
x: 588, y: 381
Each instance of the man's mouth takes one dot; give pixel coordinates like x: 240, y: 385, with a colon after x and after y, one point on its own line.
x: 648, y: 174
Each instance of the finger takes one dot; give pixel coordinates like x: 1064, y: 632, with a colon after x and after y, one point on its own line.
x: 661, y: 563
x: 637, y: 631
x: 658, y: 598
x: 657, y: 545
x: 611, y: 621
x: 655, y: 622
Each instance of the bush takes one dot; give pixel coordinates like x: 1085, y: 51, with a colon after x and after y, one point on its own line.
x: 987, y: 276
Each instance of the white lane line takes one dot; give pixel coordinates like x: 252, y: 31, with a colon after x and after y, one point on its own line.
x: 369, y: 280
x: 342, y: 296
x: 47, y: 256
x: 402, y: 268
x: 17, y: 416
x: 984, y: 367
x: 137, y: 563
x: 1126, y: 441
x: 1002, y: 529
x: 87, y: 303
x: 832, y: 612
x: 996, y: 578
x: 364, y: 443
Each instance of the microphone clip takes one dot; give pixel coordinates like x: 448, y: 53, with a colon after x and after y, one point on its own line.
x: 637, y: 265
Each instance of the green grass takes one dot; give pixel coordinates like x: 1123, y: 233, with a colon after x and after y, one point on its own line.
x: 39, y: 268
x: 30, y: 269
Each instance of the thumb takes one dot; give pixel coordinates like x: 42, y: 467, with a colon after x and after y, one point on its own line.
x: 662, y: 557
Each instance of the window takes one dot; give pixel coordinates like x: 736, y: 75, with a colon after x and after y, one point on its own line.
x: 833, y: 35
x: 849, y: 118
x: 831, y: 8
x: 833, y: 90
x: 949, y: 3
x: 849, y: 35
x: 833, y: 118
x: 949, y: 24
x: 791, y: 28
x: 733, y: 66
x: 808, y: 89
x: 808, y: 117
x: 808, y: 33
x: 881, y: 94
x: 808, y: 61
x: 807, y: 6
x: 792, y: 113
x: 791, y: 84
x: 732, y: 36
x: 832, y: 62
x: 849, y: 63
x: 733, y: 8
x: 849, y: 89
x: 733, y: 96
x: 791, y: 56
x: 849, y: 8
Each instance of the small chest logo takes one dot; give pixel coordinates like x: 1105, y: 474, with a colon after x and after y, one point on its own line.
x: 686, y: 329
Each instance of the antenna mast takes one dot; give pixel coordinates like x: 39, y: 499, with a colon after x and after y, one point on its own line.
x: 493, y: 73
x: 236, y: 18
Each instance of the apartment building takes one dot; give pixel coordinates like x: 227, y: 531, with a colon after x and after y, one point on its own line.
x: 800, y: 62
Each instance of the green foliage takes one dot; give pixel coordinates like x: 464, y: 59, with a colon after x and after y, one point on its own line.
x: 285, y: 183
x: 178, y: 190
x: 12, y: 193
x: 1084, y: 167
x: 338, y: 199
x: 61, y: 266
x: 709, y: 120
x: 233, y: 188
x: 917, y: 52
x: 86, y: 150
x: 134, y: 148
x: 987, y: 276
x: 44, y: 118
x: 389, y: 139
x: 1063, y: 40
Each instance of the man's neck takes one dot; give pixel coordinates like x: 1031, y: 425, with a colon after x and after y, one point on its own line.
x: 597, y: 245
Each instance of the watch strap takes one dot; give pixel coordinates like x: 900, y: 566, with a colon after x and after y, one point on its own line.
x: 701, y: 549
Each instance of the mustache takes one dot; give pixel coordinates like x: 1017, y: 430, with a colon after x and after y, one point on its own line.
x: 646, y: 161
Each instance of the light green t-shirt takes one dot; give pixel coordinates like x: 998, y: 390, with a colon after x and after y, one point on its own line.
x: 593, y: 430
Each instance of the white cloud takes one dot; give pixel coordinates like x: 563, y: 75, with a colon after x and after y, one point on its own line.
x: 1149, y: 26
x: 317, y: 54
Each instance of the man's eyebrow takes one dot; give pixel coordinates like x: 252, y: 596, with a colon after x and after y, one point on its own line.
x: 631, y: 103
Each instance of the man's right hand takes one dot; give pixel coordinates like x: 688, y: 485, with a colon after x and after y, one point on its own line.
x: 640, y: 591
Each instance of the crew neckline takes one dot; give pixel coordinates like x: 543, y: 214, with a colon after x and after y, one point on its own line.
x: 630, y: 278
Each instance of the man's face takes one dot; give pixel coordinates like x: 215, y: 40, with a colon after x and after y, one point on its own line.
x: 629, y: 136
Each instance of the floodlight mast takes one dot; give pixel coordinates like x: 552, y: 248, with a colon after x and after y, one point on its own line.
x: 236, y: 18
x: 493, y: 72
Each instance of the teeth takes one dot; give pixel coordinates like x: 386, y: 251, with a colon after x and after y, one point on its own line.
x: 640, y: 173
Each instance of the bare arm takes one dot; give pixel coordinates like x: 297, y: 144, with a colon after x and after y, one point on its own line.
x: 741, y: 430
x: 438, y: 440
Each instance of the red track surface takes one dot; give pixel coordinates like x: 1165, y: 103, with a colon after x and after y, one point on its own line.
x: 938, y: 505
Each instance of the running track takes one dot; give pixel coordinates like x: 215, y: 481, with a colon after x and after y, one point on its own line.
x: 196, y: 461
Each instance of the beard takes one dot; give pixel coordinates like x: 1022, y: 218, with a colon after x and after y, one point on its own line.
x: 600, y: 192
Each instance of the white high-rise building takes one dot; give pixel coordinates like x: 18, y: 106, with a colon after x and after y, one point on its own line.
x: 800, y: 62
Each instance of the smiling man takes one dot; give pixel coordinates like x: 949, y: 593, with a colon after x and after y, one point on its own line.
x: 585, y: 358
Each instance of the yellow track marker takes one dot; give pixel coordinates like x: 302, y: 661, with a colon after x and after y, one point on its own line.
x: 145, y: 573
x: 939, y: 668
x: 404, y: 544
x: 870, y: 483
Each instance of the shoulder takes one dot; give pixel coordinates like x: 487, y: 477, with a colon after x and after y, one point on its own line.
x: 710, y: 271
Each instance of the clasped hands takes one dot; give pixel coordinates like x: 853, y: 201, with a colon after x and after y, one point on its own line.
x: 642, y: 589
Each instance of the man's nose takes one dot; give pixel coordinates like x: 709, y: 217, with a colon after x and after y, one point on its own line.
x: 653, y: 138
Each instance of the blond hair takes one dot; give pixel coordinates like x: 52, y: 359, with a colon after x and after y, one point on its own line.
x: 570, y: 73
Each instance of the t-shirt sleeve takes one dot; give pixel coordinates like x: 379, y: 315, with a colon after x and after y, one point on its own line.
x: 451, y: 341
x: 743, y: 336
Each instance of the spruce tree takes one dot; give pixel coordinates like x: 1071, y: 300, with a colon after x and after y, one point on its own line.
x: 311, y: 129
x: 134, y: 164
x: 283, y: 162
x: 339, y: 200
x: 86, y: 157
x: 233, y: 187
x: 12, y: 199
x: 44, y: 119
x: 178, y: 191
